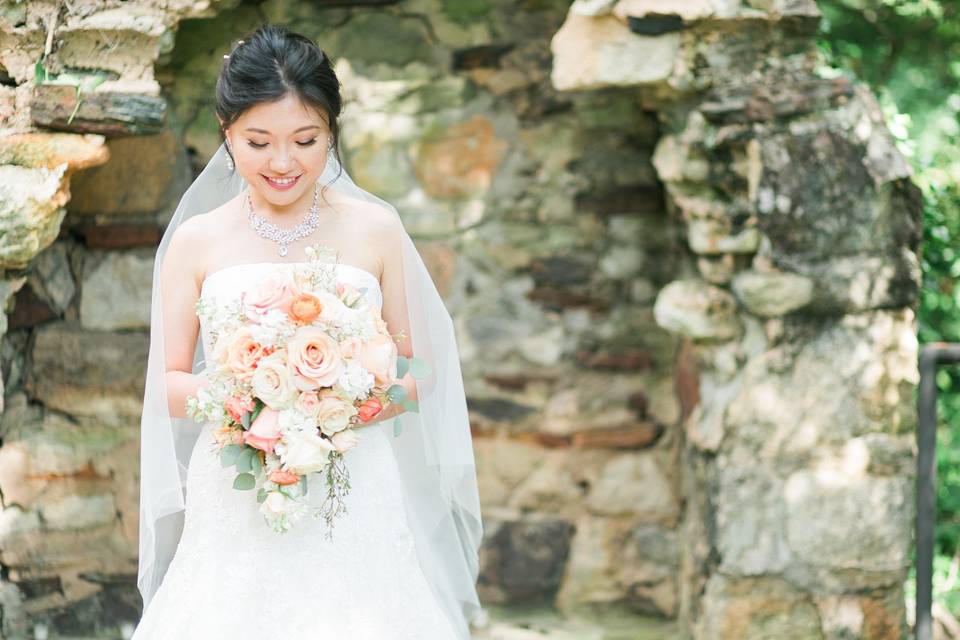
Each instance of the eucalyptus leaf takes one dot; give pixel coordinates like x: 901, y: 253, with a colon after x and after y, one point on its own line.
x: 419, y: 368
x: 256, y: 464
x: 245, y: 420
x: 303, y: 485
x: 261, y: 495
x: 397, y: 427
x: 396, y: 393
x: 245, y: 460
x: 411, y: 405
x: 229, y: 455
x: 403, y: 365
x: 244, y: 482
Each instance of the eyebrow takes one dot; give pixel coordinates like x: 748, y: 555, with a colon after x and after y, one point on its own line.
x: 310, y: 126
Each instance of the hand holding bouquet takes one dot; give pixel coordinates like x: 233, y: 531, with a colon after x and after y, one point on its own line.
x: 301, y: 359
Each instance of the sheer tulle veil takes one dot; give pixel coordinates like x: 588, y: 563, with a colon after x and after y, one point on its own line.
x: 433, y: 447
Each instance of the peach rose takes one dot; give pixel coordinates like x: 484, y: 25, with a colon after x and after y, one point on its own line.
x: 305, y: 308
x: 239, y: 352
x: 263, y: 433
x: 313, y: 359
x: 283, y: 476
x: 350, y: 347
x: 345, y: 440
x: 277, y: 290
x: 238, y: 405
x: 369, y: 408
x: 378, y: 355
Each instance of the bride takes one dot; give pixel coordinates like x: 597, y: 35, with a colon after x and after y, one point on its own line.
x: 402, y: 560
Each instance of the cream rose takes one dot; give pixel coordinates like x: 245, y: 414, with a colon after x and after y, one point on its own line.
x: 334, y: 415
x: 313, y: 359
x: 271, y: 382
x: 304, y: 451
x: 345, y: 440
x: 378, y: 355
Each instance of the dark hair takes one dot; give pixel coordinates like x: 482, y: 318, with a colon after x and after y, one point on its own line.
x: 270, y: 63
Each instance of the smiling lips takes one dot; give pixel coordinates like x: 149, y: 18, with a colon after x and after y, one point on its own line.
x: 281, y: 184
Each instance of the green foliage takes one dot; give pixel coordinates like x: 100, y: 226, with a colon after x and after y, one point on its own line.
x: 908, y: 51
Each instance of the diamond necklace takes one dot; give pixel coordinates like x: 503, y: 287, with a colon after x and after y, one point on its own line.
x: 281, y: 236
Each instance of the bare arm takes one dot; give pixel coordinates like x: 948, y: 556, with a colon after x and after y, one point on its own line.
x: 180, y: 289
x: 389, y: 240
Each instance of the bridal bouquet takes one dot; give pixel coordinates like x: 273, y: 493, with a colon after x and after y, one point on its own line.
x: 300, y: 361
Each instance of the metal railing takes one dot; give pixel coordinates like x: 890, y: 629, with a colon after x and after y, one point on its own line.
x: 931, y: 357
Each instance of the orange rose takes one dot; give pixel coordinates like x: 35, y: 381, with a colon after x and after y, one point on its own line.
x: 305, y: 308
x: 282, y: 476
x: 369, y: 408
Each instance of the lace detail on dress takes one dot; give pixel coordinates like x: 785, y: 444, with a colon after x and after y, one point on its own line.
x: 233, y: 577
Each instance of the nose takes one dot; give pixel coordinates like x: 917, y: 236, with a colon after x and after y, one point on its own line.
x: 282, y: 161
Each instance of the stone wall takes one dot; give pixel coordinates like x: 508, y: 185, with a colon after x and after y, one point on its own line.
x: 798, y: 327
x: 683, y: 399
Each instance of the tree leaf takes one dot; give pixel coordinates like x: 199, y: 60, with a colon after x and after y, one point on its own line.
x: 397, y: 393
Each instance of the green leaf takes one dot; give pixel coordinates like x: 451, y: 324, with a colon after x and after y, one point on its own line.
x: 411, y: 405
x: 256, y: 464
x: 419, y: 368
x: 244, y: 460
x: 397, y: 427
x: 397, y: 393
x: 256, y: 411
x: 303, y: 485
x: 244, y: 482
x: 39, y: 72
x: 245, y: 421
x: 229, y: 454
x: 403, y: 365
x: 261, y: 495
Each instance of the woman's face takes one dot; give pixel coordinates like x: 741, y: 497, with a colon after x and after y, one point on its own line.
x: 280, y: 149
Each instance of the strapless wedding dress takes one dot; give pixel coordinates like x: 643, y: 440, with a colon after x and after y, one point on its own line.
x: 233, y: 578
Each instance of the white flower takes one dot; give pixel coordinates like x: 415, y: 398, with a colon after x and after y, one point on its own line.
x: 304, y: 452
x: 355, y: 381
x: 281, y: 511
x: 274, y: 325
x: 293, y: 419
x: 271, y: 382
x: 345, y: 440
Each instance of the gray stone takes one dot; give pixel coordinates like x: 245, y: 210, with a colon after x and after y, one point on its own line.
x: 31, y: 210
x: 96, y: 374
x: 698, y: 310
x: 51, y: 277
x: 769, y: 294
x: 117, y: 288
x: 523, y: 559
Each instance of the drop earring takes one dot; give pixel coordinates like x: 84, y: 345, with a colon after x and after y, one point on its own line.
x: 230, y: 165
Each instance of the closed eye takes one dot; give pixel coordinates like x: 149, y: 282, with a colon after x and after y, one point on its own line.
x: 261, y: 146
